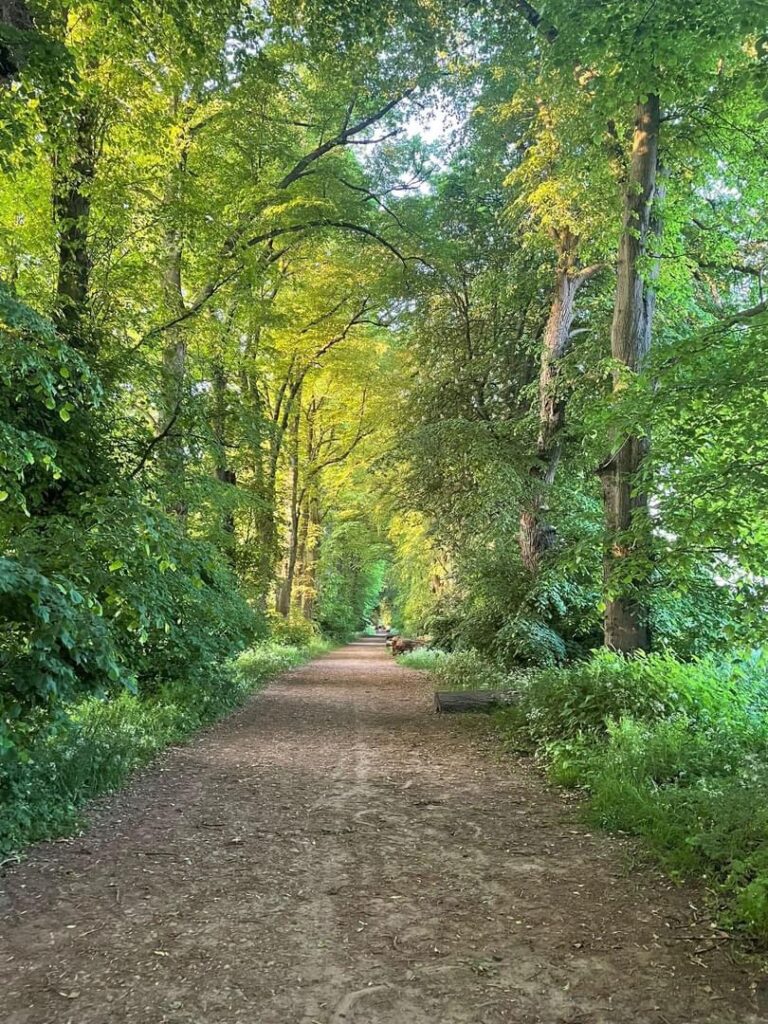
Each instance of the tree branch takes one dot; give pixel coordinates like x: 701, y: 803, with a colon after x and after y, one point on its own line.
x: 327, y: 222
x: 156, y: 440
x: 228, y: 247
x: 341, y: 139
x: 533, y: 18
x: 745, y: 314
x: 589, y: 272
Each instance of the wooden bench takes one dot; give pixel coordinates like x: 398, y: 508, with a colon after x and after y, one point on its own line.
x: 450, y: 701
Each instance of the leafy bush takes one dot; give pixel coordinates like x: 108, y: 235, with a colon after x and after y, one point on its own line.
x: 674, y: 752
x: 43, y: 382
x: 564, y: 703
x: 293, y: 630
x: 172, y: 605
x: 53, y: 640
x: 699, y: 799
x: 100, y: 741
x: 101, y: 588
x: 469, y: 670
x: 517, y: 621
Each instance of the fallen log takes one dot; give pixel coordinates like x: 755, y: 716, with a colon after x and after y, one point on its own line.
x: 453, y: 701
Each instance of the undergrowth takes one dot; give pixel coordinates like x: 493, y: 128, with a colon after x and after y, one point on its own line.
x: 460, y: 670
x: 673, y: 752
x: 98, y: 743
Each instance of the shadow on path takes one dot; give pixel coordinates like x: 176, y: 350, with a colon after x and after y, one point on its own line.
x: 336, y: 853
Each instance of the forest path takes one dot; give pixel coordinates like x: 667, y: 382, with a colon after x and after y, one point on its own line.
x: 336, y: 854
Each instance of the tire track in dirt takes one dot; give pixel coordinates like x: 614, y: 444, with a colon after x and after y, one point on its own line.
x: 336, y: 854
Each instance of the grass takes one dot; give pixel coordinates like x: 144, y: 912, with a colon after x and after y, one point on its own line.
x: 674, y: 753
x: 461, y: 670
x: 426, y: 658
x: 100, y: 743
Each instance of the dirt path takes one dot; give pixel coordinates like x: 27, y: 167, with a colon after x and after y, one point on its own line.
x: 335, y: 854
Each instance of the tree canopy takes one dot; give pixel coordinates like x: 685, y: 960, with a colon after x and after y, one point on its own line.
x: 448, y: 316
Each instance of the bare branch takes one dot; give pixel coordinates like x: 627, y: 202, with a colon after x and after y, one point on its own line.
x: 345, y: 136
x: 328, y: 222
x: 156, y: 440
x: 745, y: 314
x: 323, y: 316
x: 372, y: 196
x: 589, y: 272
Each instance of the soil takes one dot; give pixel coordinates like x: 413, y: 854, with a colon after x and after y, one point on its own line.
x: 335, y: 853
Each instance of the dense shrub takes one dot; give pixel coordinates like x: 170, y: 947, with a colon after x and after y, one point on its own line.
x: 517, y: 623
x: 468, y: 670
x: 582, y: 699
x: 100, y: 586
x: 54, y: 643
x: 293, y: 630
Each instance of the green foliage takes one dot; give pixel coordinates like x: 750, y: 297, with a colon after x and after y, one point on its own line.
x: 697, y: 798
x: 582, y: 699
x: 518, y: 621
x: 43, y: 382
x: 426, y: 658
x: 350, y: 576
x: 468, y: 670
x: 100, y: 589
x: 97, y: 742
x: 669, y: 751
x: 292, y: 631
x: 458, y: 670
x: 54, y: 645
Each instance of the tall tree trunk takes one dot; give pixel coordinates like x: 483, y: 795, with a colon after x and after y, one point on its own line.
x: 300, y: 576
x: 174, y: 370
x: 73, y: 176
x: 223, y: 471
x: 285, y: 592
x: 269, y: 549
x: 536, y: 535
x: 626, y: 626
x: 173, y: 398
x: 16, y: 15
x: 314, y: 528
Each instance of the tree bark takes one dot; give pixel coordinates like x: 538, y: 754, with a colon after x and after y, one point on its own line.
x: 285, y: 593
x: 626, y: 627
x: 174, y: 369
x: 72, y: 181
x: 314, y: 528
x: 223, y: 471
x: 300, y: 576
x: 16, y: 15
x: 536, y: 536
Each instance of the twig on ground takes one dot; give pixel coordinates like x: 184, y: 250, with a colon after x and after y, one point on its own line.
x: 346, y: 1004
